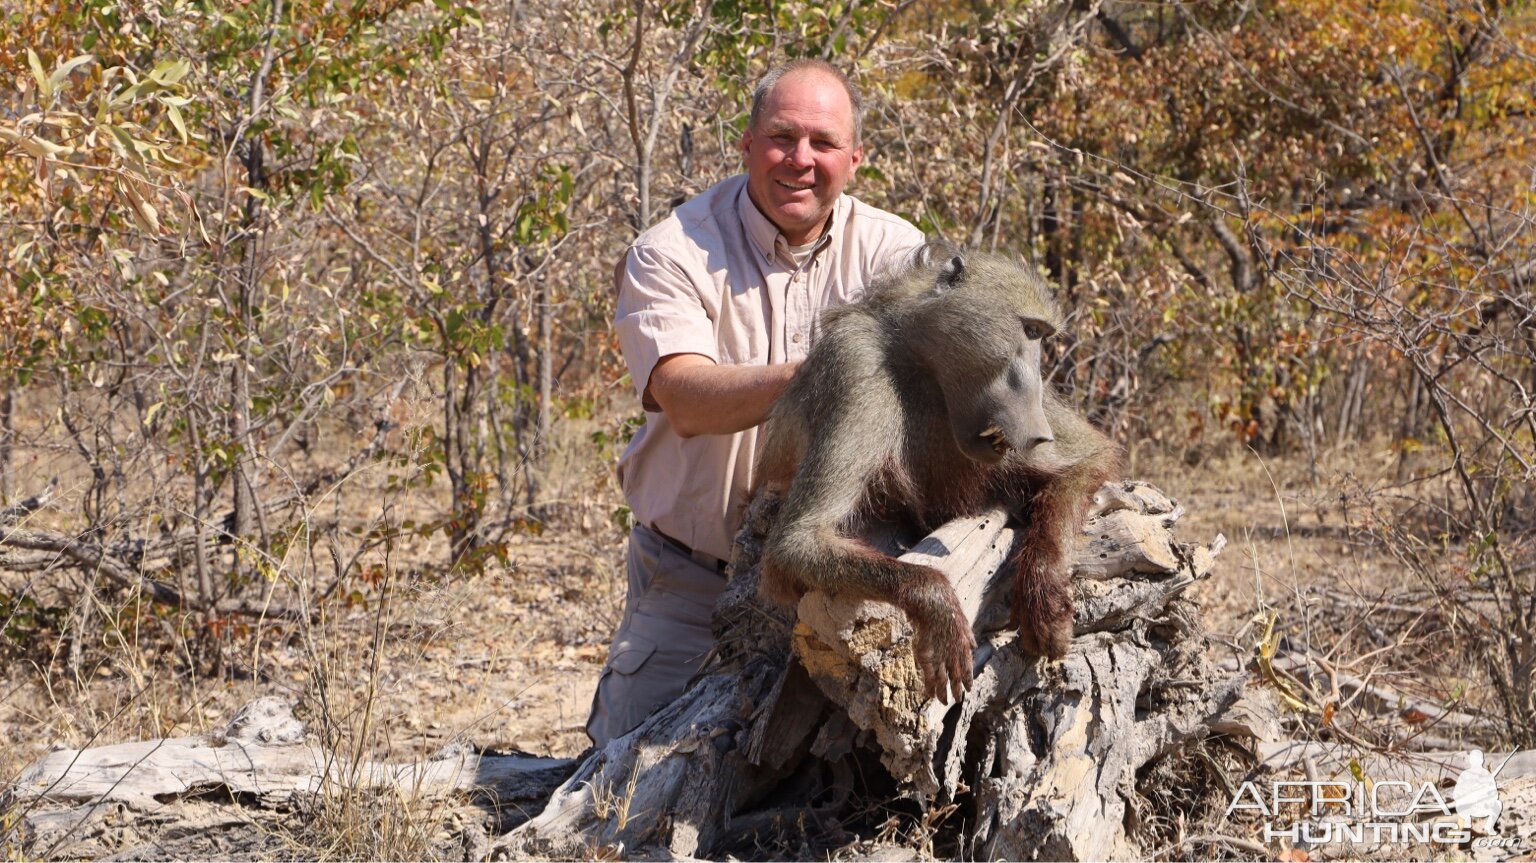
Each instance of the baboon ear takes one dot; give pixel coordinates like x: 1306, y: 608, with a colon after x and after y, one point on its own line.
x: 950, y: 273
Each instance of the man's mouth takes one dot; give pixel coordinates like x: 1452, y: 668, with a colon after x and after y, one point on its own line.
x: 796, y: 187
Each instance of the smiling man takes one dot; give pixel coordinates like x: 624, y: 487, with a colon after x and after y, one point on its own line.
x: 717, y: 308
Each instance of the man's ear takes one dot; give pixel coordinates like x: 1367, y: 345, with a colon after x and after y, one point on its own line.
x: 746, y: 141
x: 857, y: 157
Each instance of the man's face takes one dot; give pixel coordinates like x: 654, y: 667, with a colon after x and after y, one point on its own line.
x: 800, y: 153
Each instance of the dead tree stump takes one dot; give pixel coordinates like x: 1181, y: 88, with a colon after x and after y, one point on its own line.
x: 792, y: 720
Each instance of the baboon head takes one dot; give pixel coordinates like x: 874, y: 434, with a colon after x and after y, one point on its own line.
x: 978, y: 329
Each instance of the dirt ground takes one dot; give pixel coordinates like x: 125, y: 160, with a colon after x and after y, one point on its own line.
x: 508, y: 658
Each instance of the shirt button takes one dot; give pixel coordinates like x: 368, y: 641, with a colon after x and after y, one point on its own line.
x: 796, y: 338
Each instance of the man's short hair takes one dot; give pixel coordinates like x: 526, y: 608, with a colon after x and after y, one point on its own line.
x: 809, y: 64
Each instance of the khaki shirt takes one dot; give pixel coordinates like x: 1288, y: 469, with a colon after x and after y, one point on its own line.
x: 716, y: 278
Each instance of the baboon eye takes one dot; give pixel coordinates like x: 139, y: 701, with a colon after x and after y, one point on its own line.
x: 1036, y: 329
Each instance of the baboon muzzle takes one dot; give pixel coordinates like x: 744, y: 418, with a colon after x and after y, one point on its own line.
x: 1009, y: 414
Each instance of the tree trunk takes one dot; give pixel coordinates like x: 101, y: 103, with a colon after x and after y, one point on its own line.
x: 543, y: 428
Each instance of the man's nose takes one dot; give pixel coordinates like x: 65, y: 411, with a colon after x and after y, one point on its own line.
x: 799, y: 154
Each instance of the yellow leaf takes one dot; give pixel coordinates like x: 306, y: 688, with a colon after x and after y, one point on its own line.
x: 168, y: 72
x: 61, y: 72
x: 37, y: 73
x: 1268, y: 646
x: 42, y: 148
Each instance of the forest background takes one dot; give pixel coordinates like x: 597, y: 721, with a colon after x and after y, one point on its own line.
x: 305, y: 305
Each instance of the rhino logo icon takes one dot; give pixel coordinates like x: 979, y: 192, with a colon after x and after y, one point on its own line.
x: 1476, y: 793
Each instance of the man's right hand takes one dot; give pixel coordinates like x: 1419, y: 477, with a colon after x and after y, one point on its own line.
x: 700, y: 397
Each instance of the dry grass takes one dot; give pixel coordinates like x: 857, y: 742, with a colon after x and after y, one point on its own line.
x: 402, y: 658
x: 1321, y: 554
x: 410, y: 658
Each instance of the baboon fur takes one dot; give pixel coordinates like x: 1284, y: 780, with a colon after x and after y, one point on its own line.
x: 922, y: 403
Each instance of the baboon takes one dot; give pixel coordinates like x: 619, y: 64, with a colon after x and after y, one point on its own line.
x: 922, y: 403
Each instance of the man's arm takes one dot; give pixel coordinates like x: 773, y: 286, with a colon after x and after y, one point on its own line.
x: 700, y: 397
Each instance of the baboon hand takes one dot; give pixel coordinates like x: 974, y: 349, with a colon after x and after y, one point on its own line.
x: 1042, y: 611
x: 944, y: 650
x: 1049, y: 638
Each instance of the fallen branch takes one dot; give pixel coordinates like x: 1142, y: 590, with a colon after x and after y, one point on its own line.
x: 92, y: 558
x: 21, y: 510
x: 263, y: 757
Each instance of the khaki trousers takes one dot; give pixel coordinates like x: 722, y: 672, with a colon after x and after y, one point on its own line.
x: 662, y: 638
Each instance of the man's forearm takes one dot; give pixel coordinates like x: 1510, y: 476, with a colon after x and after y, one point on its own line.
x: 700, y: 397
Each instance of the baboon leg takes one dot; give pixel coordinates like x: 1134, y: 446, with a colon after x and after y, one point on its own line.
x: 783, y: 447
x: 810, y: 549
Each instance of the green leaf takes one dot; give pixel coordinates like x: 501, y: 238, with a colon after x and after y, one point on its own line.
x: 168, y: 72
x: 174, y: 113
x: 125, y: 140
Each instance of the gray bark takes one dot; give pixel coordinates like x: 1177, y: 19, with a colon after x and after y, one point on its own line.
x: 1042, y: 754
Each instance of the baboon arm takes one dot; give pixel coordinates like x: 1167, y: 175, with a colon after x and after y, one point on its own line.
x: 1042, y: 598
x: 844, y: 453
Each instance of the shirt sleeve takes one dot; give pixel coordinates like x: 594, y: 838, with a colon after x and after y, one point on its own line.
x: 891, y: 246
x: 908, y: 241
x: 660, y: 313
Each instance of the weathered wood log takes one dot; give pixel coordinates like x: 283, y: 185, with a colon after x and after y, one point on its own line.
x: 1041, y: 753
x: 263, y: 758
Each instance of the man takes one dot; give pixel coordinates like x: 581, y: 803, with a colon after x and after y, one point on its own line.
x: 717, y: 305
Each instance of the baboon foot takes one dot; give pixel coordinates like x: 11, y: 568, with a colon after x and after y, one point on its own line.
x: 1048, y: 638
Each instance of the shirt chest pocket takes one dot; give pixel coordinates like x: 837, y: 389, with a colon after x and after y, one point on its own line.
x: 741, y: 338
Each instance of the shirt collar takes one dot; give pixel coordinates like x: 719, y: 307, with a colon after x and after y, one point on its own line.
x: 765, y: 235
